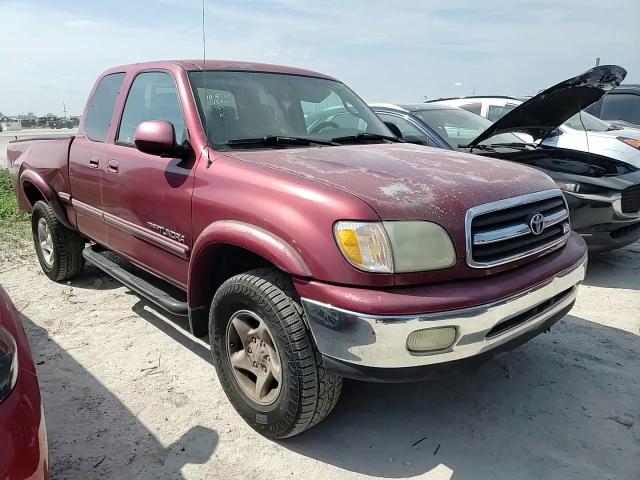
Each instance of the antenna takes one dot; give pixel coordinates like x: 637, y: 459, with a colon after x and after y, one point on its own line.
x: 204, y: 72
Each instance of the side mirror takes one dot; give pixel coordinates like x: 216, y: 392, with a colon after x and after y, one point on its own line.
x: 394, y: 129
x: 157, y: 137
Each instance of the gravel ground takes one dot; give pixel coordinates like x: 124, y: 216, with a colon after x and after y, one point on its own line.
x: 6, y: 137
x: 129, y: 394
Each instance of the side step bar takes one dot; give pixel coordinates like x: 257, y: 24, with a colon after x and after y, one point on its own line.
x: 139, y: 285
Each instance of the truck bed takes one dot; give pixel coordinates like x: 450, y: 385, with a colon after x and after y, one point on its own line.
x: 46, y: 156
x: 28, y: 134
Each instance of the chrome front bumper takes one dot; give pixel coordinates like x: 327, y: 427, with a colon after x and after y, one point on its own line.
x: 374, y: 341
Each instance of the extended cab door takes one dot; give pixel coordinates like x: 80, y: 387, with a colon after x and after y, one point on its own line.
x: 88, y: 157
x: 147, y: 198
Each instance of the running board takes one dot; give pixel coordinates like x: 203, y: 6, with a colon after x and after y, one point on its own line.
x: 139, y: 285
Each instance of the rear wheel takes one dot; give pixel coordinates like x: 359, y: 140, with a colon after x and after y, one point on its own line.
x: 59, y: 249
x: 265, y: 358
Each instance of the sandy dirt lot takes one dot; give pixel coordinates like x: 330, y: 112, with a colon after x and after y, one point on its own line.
x: 6, y: 137
x: 128, y: 393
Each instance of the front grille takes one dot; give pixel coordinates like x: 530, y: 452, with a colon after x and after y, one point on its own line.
x: 631, y: 199
x: 500, y: 232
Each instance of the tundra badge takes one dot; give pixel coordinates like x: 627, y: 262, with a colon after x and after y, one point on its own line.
x: 166, y: 232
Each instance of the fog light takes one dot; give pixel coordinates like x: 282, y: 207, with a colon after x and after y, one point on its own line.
x: 431, y: 339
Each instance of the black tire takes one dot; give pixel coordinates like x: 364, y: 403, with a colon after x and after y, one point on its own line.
x: 308, y: 393
x: 67, y: 260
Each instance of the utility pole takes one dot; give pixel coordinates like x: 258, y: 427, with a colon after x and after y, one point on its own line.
x: 64, y: 109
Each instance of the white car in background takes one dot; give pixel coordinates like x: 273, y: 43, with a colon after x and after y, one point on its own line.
x: 491, y: 108
x: 583, y: 131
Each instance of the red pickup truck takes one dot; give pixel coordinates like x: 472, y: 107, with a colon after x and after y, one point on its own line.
x: 307, y: 252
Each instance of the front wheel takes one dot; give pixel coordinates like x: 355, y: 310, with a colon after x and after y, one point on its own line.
x: 265, y: 358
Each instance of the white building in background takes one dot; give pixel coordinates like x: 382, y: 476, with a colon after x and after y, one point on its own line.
x: 9, y: 124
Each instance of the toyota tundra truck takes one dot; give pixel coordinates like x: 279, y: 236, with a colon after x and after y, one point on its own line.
x: 307, y: 252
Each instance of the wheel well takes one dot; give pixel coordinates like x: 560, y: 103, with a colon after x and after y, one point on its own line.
x: 216, y: 264
x: 221, y: 262
x: 32, y: 194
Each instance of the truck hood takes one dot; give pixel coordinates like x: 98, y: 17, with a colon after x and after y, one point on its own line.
x: 545, y: 112
x: 406, y: 181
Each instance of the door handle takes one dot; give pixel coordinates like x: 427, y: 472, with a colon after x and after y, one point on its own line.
x: 112, y: 166
x: 94, y: 161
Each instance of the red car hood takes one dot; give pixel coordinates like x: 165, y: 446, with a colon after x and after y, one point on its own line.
x: 403, y: 181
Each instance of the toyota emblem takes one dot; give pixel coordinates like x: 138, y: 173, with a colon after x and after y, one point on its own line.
x: 536, y: 223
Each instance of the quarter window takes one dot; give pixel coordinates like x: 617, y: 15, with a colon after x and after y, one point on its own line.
x: 407, y: 129
x: 473, y: 107
x: 153, y: 96
x: 100, y: 111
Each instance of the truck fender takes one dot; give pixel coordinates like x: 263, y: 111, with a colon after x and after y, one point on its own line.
x: 31, y: 177
x: 242, y: 235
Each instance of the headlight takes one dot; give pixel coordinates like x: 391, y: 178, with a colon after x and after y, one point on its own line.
x: 568, y: 186
x: 400, y: 247
x: 365, y: 245
x: 419, y: 246
x: 632, y: 142
x: 8, y: 363
x: 583, y: 188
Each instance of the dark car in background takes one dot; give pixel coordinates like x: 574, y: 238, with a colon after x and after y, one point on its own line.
x: 23, y: 436
x: 603, y: 193
x: 621, y: 106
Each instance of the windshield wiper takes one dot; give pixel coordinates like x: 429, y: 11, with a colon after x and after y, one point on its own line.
x: 493, y: 146
x: 272, y: 140
x: 364, y: 137
x: 476, y: 147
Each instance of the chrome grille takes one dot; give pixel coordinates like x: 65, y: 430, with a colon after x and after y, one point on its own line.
x: 501, y: 232
x: 631, y: 199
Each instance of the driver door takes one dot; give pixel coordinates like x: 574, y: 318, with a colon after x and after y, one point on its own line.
x: 147, y: 198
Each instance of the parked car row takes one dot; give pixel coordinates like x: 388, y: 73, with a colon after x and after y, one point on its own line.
x: 314, y: 238
x: 596, y: 165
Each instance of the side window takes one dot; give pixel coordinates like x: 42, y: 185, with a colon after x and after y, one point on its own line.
x: 153, y: 96
x: 496, y: 111
x: 100, y: 110
x: 407, y: 128
x: 621, y: 106
x: 473, y: 107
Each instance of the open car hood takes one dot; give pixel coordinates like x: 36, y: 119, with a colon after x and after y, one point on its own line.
x: 545, y: 112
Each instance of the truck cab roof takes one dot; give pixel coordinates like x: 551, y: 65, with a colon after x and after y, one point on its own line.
x: 226, y: 65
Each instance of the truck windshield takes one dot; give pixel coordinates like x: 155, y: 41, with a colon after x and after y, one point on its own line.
x: 236, y: 107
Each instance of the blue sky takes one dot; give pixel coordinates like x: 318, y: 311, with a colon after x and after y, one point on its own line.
x: 386, y: 51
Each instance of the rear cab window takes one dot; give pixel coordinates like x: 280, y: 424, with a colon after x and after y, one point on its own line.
x: 100, y: 111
